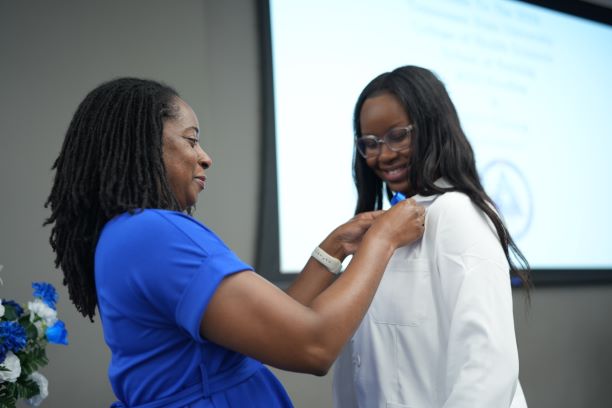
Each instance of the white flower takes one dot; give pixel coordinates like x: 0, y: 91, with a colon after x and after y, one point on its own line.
x: 1, y: 308
x: 12, y: 364
x: 40, y: 309
x: 43, y: 388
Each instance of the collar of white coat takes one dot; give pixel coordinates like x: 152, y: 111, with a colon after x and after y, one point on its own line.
x: 441, y: 182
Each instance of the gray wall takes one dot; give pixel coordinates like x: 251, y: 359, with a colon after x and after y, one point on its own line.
x: 52, y: 53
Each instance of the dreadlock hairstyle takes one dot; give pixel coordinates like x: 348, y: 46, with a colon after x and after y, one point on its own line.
x: 110, y: 163
x: 440, y: 148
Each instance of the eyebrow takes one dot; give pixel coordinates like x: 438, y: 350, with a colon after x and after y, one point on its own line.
x: 197, y: 130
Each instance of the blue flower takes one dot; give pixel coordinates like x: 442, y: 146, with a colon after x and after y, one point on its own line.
x: 16, y: 307
x: 46, y: 292
x: 57, y: 333
x: 12, y: 337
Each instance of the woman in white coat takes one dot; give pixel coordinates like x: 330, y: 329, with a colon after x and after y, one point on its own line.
x: 440, y: 330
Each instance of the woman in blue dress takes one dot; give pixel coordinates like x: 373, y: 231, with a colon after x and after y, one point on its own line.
x: 187, y: 322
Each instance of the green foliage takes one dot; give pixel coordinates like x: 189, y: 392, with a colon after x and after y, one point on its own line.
x: 29, y: 327
x: 11, y: 392
x: 32, y: 358
x: 7, y: 396
x: 9, y: 313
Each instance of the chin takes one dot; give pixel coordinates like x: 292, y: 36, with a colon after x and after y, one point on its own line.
x: 403, y: 188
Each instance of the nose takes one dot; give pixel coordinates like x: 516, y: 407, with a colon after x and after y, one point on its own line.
x: 204, y: 159
x: 386, y: 153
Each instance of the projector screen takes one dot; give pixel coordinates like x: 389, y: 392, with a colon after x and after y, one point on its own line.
x: 533, y: 88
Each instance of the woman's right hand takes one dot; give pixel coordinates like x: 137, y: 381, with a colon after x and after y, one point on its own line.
x: 400, y: 225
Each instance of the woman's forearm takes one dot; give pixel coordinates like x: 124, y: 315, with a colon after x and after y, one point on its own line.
x: 313, y: 280
x: 315, y: 277
x: 340, y: 308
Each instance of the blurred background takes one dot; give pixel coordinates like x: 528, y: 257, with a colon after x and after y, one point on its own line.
x: 53, y: 53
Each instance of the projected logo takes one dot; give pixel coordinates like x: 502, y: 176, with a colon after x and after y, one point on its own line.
x: 509, y: 189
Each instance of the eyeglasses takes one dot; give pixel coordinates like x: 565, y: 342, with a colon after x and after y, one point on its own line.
x: 396, y: 139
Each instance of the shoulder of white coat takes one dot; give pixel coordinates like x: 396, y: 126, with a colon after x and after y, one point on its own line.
x: 458, y: 223
x: 454, y: 204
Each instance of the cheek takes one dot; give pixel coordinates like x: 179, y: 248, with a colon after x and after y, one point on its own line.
x: 176, y: 176
x: 406, y: 154
x: 371, y: 163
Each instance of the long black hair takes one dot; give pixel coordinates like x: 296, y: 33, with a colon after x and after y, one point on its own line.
x: 110, y: 163
x: 440, y: 149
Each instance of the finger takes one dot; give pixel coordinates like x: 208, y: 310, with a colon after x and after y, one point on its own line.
x: 368, y: 216
x: 373, y: 214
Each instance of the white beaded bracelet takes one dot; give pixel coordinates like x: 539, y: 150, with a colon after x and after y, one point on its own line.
x: 332, y: 264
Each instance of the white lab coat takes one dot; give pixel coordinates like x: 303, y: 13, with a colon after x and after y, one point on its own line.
x: 440, y: 330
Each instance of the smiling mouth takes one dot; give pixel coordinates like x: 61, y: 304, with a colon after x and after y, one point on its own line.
x: 395, y: 174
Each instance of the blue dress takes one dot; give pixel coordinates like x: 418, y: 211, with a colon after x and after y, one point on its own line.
x: 156, y: 271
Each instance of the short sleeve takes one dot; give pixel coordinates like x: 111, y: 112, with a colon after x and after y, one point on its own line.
x: 163, y: 267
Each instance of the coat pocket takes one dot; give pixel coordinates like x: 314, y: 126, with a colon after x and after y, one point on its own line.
x: 404, y: 295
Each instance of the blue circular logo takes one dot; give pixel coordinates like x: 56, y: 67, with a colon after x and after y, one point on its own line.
x: 509, y: 190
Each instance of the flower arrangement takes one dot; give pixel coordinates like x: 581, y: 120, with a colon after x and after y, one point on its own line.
x: 24, y: 334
